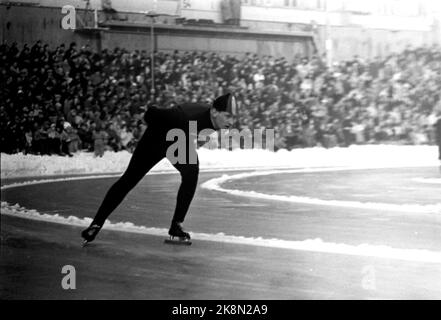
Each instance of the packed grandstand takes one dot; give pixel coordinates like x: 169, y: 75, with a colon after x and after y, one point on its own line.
x: 58, y: 100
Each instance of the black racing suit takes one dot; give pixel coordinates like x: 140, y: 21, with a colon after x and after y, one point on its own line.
x: 152, y: 148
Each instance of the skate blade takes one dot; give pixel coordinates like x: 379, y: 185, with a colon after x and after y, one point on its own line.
x: 178, y: 242
x: 85, y: 242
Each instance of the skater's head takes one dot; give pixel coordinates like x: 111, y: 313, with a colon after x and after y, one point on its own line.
x: 223, y: 111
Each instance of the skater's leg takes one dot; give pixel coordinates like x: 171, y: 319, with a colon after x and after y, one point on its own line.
x: 146, y: 155
x: 189, y: 180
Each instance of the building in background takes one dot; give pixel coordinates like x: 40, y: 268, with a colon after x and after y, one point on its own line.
x: 337, y: 29
x: 342, y: 28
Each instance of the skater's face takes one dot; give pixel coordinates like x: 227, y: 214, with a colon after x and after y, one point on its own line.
x: 221, y: 119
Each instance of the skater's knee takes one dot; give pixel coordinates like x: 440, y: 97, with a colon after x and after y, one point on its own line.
x: 189, y: 172
x: 127, y: 181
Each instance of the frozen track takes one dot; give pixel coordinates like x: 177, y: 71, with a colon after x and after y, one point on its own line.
x: 140, y: 266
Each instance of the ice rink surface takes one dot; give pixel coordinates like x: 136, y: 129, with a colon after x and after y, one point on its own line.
x: 286, y: 234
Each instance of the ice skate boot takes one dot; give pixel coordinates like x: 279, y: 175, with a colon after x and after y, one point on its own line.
x: 178, y: 235
x: 90, y: 233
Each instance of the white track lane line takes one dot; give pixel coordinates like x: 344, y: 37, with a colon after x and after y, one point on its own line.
x: 215, y: 185
x: 427, y: 180
x: 309, y: 245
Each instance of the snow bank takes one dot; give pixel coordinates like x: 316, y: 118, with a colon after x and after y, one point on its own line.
x: 216, y: 185
x: 311, y: 245
x: 19, y: 165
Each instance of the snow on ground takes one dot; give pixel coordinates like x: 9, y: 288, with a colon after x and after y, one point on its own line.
x: 19, y: 165
x: 312, y: 245
x: 216, y: 185
x: 380, y: 156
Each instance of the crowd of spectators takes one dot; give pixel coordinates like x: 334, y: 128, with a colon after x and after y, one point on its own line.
x: 64, y: 99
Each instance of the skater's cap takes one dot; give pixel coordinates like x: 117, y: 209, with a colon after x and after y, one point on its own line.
x: 227, y: 103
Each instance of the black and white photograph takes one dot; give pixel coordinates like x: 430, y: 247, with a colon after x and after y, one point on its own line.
x: 220, y: 155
